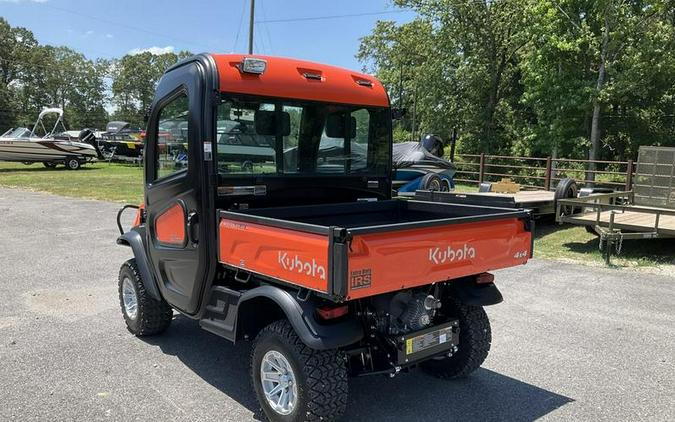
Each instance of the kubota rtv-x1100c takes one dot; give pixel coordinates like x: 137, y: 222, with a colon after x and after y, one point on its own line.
x: 279, y: 228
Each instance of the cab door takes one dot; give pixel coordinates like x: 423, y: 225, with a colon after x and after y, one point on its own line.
x: 173, y: 176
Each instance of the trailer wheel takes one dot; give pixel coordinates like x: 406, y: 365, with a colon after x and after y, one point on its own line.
x: 296, y: 383
x: 567, y: 189
x: 73, y: 163
x: 431, y: 181
x: 475, y: 338
x: 144, y: 315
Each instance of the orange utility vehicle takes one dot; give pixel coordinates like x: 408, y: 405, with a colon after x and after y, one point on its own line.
x: 280, y: 229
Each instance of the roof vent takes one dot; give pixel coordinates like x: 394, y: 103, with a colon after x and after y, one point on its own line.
x: 312, y: 76
x: 364, y: 82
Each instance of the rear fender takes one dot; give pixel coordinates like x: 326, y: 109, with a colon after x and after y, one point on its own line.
x: 134, y: 239
x: 468, y: 292
x: 254, y: 313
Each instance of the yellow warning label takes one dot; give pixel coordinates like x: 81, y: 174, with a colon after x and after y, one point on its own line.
x: 408, y: 346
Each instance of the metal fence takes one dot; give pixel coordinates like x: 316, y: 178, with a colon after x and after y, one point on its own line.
x: 542, y: 172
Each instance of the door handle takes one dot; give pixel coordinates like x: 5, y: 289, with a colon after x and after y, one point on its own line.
x: 193, y: 228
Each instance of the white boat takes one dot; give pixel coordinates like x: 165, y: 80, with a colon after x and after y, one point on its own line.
x: 54, y: 147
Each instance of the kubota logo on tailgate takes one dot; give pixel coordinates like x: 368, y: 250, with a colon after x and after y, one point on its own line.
x: 301, y: 266
x: 442, y: 255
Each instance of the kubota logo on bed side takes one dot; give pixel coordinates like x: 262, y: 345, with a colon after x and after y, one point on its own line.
x: 298, y: 265
x: 442, y: 255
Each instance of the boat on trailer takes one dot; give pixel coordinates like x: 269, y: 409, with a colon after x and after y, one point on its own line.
x: 52, y: 148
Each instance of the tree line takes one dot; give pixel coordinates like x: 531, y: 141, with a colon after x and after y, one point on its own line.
x: 568, y: 78
x: 34, y: 76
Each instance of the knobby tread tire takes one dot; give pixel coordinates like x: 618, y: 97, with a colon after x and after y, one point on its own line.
x: 154, y: 316
x: 475, y: 338
x: 323, y: 379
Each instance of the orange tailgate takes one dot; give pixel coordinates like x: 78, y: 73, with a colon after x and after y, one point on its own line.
x: 389, y: 261
x: 288, y: 255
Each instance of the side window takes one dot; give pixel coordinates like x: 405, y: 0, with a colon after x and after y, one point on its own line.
x: 172, y: 137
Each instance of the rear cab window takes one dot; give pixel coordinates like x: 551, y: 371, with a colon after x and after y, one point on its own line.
x: 280, y: 137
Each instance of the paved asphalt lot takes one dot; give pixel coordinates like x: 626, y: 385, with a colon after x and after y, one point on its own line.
x: 570, y: 342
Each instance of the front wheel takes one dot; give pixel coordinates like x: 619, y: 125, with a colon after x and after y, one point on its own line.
x: 49, y: 164
x: 143, y: 314
x: 293, y: 382
x: 475, y: 338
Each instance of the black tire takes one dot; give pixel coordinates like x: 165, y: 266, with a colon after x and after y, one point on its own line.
x: 49, y: 164
x: 321, y: 375
x: 566, y: 189
x: 73, y: 163
x: 432, y: 182
x: 153, y: 316
x: 475, y: 338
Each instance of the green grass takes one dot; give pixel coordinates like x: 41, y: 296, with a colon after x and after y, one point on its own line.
x: 124, y: 183
x: 104, y: 181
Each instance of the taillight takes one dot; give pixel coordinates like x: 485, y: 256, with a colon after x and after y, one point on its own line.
x: 326, y: 312
x: 485, y: 278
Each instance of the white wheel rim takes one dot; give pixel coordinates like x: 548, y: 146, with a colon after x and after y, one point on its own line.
x: 278, y: 382
x: 129, y: 298
x: 73, y: 164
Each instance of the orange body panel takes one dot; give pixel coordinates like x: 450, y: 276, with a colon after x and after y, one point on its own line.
x: 170, y: 226
x: 284, y: 78
x: 287, y: 255
x: 390, y: 261
x: 377, y: 262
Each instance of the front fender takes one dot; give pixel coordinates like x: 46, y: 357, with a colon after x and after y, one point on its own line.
x: 301, y: 316
x: 134, y: 239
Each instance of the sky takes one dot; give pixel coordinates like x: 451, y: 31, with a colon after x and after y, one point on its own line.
x: 315, y: 30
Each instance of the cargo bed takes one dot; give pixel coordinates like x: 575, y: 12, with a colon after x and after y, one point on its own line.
x: 347, y: 251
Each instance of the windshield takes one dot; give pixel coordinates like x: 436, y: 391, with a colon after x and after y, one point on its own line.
x: 20, y: 132
x: 257, y: 137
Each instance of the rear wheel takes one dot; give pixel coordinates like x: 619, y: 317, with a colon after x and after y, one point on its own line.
x: 144, y: 315
x: 475, y: 338
x: 73, y: 163
x: 296, y: 383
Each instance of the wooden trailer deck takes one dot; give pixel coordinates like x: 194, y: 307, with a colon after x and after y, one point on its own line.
x: 634, y: 221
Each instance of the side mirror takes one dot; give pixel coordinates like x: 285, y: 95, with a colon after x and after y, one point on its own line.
x: 398, y: 113
x: 335, y: 126
x: 266, y: 123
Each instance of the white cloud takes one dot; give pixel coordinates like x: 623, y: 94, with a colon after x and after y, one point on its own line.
x: 153, y: 50
x: 88, y: 33
x: 109, y: 35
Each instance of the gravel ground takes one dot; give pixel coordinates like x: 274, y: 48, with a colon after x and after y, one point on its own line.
x: 570, y: 342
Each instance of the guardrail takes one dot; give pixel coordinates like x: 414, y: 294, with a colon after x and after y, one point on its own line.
x: 541, y: 172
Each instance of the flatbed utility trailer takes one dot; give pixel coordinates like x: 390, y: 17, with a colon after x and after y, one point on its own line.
x: 645, y: 212
x: 302, y: 250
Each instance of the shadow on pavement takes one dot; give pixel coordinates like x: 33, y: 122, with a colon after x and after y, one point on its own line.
x: 485, y: 396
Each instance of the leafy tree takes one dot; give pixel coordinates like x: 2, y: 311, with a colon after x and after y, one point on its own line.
x: 135, y: 78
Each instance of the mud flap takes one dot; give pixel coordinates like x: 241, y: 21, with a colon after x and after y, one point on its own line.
x: 467, y: 291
